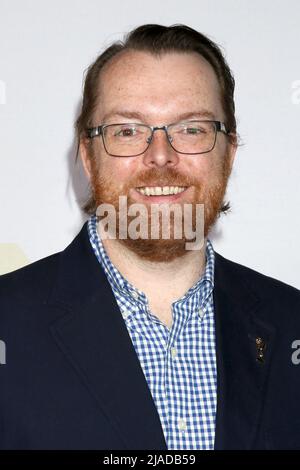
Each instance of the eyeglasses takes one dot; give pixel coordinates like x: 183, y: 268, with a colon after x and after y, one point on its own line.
x: 133, y: 139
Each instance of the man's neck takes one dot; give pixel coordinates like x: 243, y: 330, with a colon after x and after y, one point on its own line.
x: 163, y: 283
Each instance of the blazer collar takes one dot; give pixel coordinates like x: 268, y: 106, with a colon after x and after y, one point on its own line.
x: 92, y: 335
x: 241, y: 376
x: 94, y: 339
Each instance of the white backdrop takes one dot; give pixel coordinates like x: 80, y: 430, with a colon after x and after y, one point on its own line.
x: 45, y: 48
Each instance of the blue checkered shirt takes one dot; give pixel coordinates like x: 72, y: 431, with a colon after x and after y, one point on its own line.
x: 179, y: 363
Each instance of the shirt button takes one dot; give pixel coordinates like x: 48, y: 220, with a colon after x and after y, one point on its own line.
x: 173, y: 352
x: 201, y: 313
x: 182, y: 425
x: 135, y: 295
x: 125, y: 314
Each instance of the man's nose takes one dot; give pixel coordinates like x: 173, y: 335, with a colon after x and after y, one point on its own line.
x: 160, y: 152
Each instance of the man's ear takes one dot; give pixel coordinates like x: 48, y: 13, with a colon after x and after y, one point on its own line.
x: 85, y: 157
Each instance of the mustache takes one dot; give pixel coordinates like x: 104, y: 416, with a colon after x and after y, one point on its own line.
x: 165, y: 177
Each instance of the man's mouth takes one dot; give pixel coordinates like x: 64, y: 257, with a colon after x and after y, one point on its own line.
x: 160, y: 190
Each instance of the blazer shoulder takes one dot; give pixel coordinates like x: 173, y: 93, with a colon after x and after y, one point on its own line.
x: 30, y: 281
x: 263, y: 285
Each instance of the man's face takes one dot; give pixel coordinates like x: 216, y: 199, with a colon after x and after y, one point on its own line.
x: 139, y: 87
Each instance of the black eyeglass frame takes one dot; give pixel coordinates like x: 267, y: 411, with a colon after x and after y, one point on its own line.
x: 92, y: 132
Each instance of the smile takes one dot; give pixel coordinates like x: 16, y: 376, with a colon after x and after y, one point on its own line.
x: 161, y: 190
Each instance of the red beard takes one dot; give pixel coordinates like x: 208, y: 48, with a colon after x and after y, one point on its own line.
x: 106, y: 190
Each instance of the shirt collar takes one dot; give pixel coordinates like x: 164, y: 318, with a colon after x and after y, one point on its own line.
x: 203, y: 286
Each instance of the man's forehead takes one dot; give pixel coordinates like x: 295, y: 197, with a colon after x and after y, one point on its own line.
x: 146, y: 70
x: 155, y: 111
x: 169, y: 81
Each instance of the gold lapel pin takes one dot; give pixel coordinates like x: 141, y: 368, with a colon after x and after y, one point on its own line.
x: 260, y: 349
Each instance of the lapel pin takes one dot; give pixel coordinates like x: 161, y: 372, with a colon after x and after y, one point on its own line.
x: 260, y: 349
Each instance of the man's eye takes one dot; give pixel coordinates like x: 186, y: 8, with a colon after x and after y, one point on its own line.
x: 126, y: 132
x: 193, y: 130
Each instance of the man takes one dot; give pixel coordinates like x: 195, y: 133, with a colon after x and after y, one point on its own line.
x: 137, y: 342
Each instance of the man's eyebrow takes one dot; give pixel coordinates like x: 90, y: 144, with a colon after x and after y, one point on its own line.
x: 199, y: 114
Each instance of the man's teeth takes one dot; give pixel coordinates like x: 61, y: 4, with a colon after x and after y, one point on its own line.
x: 160, y: 190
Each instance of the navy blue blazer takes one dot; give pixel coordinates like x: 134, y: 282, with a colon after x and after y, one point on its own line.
x: 72, y: 379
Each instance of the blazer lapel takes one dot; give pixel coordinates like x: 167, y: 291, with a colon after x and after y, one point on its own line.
x: 243, y: 359
x: 94, y: 339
